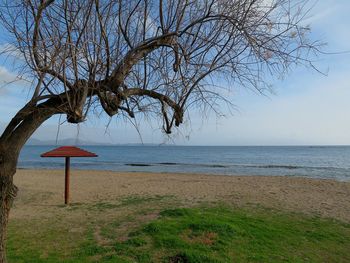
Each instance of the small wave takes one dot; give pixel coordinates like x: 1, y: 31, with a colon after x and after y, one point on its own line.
x: 278, y: 166
x: 215, y: 165
x: 138, y: 164
x: 168, y: 163
x: 293, y: 167
x: 195, y: 164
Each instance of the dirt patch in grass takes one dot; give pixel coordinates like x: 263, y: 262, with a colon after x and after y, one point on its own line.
x: 205, y: 238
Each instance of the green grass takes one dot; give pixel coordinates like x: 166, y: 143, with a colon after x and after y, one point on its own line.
x: 132, y: 200
x: 201, y: 234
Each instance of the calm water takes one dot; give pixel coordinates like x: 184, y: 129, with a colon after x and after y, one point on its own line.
x: 308, y: 161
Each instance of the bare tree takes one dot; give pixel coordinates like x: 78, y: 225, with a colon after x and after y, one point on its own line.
x: 155, y: 57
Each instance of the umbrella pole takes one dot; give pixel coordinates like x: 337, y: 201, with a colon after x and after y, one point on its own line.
x: 66, y: 188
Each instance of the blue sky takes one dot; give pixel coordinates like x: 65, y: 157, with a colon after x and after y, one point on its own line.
x: 307, y: 108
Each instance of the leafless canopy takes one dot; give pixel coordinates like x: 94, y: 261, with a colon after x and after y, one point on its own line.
x: 151, y: 56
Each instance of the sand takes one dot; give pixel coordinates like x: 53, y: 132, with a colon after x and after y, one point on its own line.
x: 42, y: 190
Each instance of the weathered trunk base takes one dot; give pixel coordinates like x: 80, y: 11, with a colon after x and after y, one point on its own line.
x: 8, y: 192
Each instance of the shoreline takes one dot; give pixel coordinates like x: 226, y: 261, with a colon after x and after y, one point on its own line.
x: 40, y: 190
x: 185, y: 173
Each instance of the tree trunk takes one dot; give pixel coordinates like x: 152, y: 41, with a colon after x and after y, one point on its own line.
x: 18, y: 131
x: 8, y: 192
x: 7, y: 195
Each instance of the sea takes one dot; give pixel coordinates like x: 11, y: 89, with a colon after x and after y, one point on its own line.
x: 328, y: 162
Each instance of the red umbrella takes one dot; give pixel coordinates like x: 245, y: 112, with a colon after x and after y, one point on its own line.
x: 67, y: 152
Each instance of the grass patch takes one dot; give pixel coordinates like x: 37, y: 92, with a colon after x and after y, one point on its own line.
x: 125, y: 202
x: 38, y: 241
x: 202, y: 234
x: 134, y: 200
x: 137, y: 200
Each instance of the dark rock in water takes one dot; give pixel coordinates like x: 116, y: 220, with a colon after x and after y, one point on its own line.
x: 137, y: 164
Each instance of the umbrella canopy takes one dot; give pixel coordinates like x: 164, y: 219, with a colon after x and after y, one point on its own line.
x: 68, y: 151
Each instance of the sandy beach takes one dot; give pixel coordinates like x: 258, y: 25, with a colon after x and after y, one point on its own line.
x: 42, y: 190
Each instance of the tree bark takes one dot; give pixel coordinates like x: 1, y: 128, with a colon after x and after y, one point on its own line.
x: 8, y: 192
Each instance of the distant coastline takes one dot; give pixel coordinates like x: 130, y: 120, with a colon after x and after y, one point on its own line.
x: 79, y: 142
x: 71, y: 141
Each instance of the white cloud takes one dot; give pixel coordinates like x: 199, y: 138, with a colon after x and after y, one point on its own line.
x: 11, y: 50
x: 6, y: 76
x: 316, y: 114
x: 319, y: 14
x: 6, y: 79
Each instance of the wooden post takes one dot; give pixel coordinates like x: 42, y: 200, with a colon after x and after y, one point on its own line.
x: 66, y: 189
